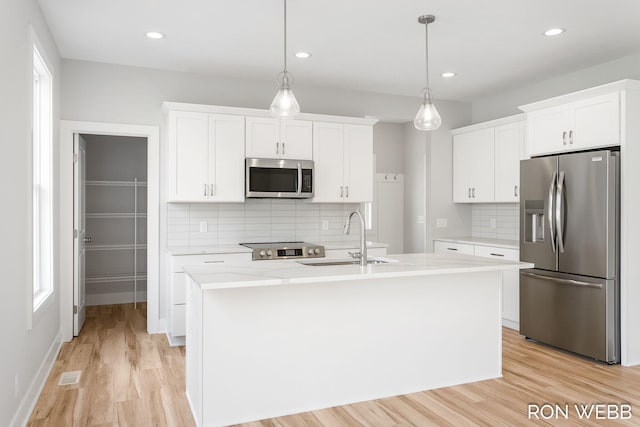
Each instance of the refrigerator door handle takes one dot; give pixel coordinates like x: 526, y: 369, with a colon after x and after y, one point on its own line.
x: 559, y: 216
x: 563, y: 281
x: 552, y: 231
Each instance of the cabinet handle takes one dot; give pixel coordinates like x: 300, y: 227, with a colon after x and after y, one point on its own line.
x: 277, y: 148
x: 283, y: 149
x: 212, y: 190
x: 347, y: 192
x: 473, y: 192
x: 469, y: 193
x: 564, y: 137
x: 452, y: 249
x: 492, y: 254
x: 515, y: 190
x: 341, y: 191
x: 205, y: 190
x: 571, y: 137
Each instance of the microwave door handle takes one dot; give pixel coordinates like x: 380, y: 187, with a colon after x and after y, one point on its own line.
x: 552, y: 231
x: 559, y: 216
x: 299, y: 178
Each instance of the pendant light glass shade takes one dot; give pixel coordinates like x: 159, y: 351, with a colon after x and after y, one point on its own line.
x: 428, y: 117
x: 285, y: 104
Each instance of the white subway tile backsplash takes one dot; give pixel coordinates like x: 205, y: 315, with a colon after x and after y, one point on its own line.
x: 257, y: 220
x: 506, y: 216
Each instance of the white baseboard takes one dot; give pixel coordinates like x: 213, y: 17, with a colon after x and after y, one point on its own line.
x: 176, y: 341
x: 30, y: 398
x: 511, y: 324
x: 115, y: 298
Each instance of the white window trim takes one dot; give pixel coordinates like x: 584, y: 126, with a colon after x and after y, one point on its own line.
x: 40, y: 300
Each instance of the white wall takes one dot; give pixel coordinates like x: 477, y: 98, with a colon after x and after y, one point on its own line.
x: 506, y: 103
x: 24, y: 351
x: 388, y: 145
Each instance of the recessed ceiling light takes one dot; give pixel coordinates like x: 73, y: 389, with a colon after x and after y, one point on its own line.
x: 554, y: 32
x: 155, y: 35
x: 303, y: 54
x: 448, y: 74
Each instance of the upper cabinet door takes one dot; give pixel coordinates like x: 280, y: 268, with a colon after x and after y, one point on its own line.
x: 596, y: 122
x: 462, y: 167
x: 187, y: 160
x: 482, y: 156
x: 548, y: 130
x: 295, y: 140
x: 328, y: 179
x: 226, y: 158
x: 358, y: 163
x: 509, y: 150
x: 262, y: 138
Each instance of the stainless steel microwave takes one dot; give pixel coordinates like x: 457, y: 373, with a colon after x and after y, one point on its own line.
x: 273, y: 178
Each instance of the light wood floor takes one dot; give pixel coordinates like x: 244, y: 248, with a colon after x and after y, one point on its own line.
x: 131, y: 378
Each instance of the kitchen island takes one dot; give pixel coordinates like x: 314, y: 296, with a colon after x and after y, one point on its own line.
x: 271, y: 338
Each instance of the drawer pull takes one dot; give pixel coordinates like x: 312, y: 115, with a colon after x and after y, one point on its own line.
x: 213, y: 262
x: 496, y: 254
x: 452, y: 249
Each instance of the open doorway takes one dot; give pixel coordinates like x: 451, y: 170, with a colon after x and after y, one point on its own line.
x: 110, y: 215
x: 68, y: 272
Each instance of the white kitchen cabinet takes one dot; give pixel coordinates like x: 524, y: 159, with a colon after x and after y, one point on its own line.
x: 176, y: 292
x: 343, y: 162
x: 205, y: 160
x: 270, y: 138
x: 509, y: 150
x: 510, y: 279
x: 486, y: 161
x: 473, y: 167
x: 584, y: 124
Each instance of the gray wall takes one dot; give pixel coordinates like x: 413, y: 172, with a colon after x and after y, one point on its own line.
x: 23, y: 350
x: 506, y: 103
x: 388, y: 146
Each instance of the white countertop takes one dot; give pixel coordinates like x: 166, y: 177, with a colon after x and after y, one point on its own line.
x: 232, y: 249
x: 498, y: 243
x: 274, y: 273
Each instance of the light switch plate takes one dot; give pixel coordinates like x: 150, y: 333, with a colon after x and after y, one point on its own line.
x: 325, y: 224
x: 420, y: 219
x: 441, y: 222
x: 203, y: 226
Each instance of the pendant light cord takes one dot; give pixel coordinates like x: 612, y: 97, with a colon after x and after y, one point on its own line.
x: 426, y: 56
x: 285, y: 36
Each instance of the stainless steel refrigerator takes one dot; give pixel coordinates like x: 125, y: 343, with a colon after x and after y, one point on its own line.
x: 569, y: 229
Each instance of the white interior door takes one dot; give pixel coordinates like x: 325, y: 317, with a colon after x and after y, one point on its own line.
x: 79, y: 214
x: 389, y: 201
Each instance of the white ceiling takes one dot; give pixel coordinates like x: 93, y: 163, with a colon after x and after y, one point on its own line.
x: 371, y: 45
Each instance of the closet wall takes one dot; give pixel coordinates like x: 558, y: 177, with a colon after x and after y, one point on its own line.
x: 116, y: 207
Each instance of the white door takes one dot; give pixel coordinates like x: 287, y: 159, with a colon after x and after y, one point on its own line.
x: 79, y: 212
x: 389, y: 211
x: 509, y: 150
x: 328, y: 180
x: 296, y: 137
x: 188, y: 162
x: 358, y: 163
x: 262, y: 138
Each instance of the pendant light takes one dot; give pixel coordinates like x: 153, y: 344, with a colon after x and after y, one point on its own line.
x: 427, y: 117
x: 284, y: 104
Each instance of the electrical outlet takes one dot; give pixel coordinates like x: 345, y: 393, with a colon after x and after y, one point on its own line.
x: 325, y: 224
x: 493, y: 223
x: 441, y: 222
x: 203, y: 226
x: 16, y: 385
x: 420, y: 219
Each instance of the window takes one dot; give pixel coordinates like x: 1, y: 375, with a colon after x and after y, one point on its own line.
x: 42, y: 209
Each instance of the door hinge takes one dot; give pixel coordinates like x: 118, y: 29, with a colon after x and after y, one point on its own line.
x: 75, y: 234
x: 75, y: 309
x: 75, y: 158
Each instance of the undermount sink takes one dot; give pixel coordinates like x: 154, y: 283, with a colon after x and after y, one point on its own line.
x: 327, y: 262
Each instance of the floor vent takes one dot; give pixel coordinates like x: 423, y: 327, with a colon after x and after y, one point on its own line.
x: 68, y: 378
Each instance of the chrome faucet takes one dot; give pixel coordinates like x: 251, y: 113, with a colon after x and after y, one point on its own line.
x: 363, y: 236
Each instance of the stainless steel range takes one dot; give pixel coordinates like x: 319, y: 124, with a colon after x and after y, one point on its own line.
x: 284, y: 250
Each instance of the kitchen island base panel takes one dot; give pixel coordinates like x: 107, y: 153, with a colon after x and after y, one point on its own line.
x: 256, y: 353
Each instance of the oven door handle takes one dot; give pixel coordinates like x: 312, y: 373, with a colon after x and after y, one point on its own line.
x: 299, y: 178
